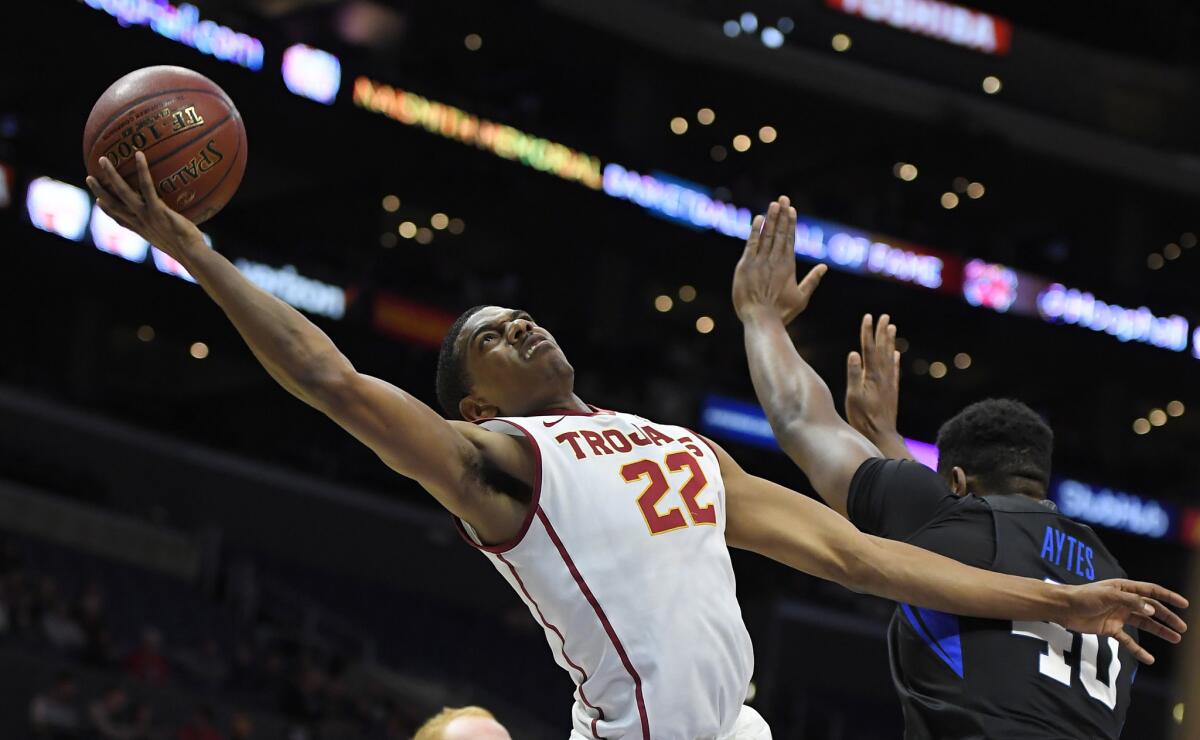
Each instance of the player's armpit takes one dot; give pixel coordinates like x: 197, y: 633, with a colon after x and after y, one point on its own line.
x: 446, y: 458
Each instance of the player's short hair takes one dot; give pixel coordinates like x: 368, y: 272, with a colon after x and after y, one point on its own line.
x: 996, y: 440
x: 437, y: 724
x: 453, y: 385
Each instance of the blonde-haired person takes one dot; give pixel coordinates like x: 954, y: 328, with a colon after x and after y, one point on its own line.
x: 464, y: 723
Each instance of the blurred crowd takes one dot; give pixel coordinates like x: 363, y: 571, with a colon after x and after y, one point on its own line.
x: 257, y: 682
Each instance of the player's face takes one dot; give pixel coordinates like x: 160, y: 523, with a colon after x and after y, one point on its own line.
x: 515, y: 365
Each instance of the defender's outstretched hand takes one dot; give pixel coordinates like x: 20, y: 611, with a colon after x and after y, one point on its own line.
x: 141, y: 210
x: 873, y: 387
x: 765, y: 277
x: 1106, y: 607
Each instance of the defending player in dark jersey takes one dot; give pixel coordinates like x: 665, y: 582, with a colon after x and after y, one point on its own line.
x: 958, y: 678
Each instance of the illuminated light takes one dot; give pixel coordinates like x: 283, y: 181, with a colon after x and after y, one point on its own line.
x: 741, y: 142
x: 312, y: 73
x: 771, y: 37
x: 679, y: 125
x: 407, y: 229
x: 960, y: 184
x: 705, y: 116
x: 901, y: 345
x: 677, y: 201
x: 299, y: 291
x: 113, y: 238
x: 1172, y: 251
x: 1175, y: 408
x: 949, y: 201
x: 705, y: 324
x: 687, y: 293
x: 183, y: 24
x: 749, y: 22
x: 1141, y: 426
x: 453, y: 123
x: 408, y: 320
x: 1113, y: 509
x: 1059, y: 304
x: 199, y: 350
x: 937, y: 369
x: 718, y: 153
x: 1157, y: 417
x: 457, y: 225
x: 1177, y: 713
x: 424, y: 235
x: 785, y: 24
x: 391, y: 203
x: 145, y: 333
x: 751, y: 692
x: 387, y: 240
x: 731, y: 28
x: 920, y: 367
x: 663, y: 303
x: 990, y: 285
x: 767, y: 134
x: 1154, y: 261
x: 1196, y: 343
x: 473, y: 42
x: 975, y: 190
x: 905, y: 171
x: 439, y: 221
x: 6, y: 181
x: 962, y: 361
x: 991, y: 84
x: 58, y: 208
x: 840, y: 42
x: 1188, y: 240
x: 944, y: 21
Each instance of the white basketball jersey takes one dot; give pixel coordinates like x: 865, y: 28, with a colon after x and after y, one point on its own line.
x: 622, y: 561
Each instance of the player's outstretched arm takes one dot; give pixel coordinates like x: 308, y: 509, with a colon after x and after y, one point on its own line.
x: 873, y: 387
x: 795, y: 398
x: 791, y: 528
x: 446, y: 458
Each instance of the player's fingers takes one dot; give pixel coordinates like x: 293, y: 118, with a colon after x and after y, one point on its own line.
x: 881, y: 332
x: 108, y: 203
x: 890, y: 341
x: 809, y: 284
x: 145, y: 181
x: 1158, y: 629
x: 789, y: 242
x: 896, y: 367
x: 1142, y: 654
x: 768, y: 230
x: 755, y: 236
x: 779, y: 242
x: 117, y: 185
x: 854, y: 369
x: 1168, y: 617
x: 866, y: 336
x: 1154, y: 591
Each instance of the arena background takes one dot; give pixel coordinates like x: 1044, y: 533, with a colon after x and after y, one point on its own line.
x: 1018, y: 186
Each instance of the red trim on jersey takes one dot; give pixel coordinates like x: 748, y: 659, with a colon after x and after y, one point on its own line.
x: 546, y: 623
x: 533, y: 501
x: 608, y: 628
x: 595, y: 411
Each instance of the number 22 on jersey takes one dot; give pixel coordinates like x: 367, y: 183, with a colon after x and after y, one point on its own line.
x: 657, y: 487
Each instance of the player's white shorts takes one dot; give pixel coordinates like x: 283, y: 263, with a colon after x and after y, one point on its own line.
x: 749, y: 726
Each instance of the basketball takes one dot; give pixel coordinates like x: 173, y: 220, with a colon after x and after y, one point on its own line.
x: 188, y: 128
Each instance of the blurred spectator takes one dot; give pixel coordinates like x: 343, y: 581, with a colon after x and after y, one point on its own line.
x: 241, y: 727
x: 466, y: 723
x: 202, y: 726
x: 60, y: 629
x: 110, y: 716
x: 143, y: 723
x: 147, y: 661
x: 305, y: 698
x: 204, y: 664
x: 53, y: 714
x: 92, y: 617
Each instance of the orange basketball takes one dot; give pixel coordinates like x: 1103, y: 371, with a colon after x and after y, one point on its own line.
x: 188, y: 128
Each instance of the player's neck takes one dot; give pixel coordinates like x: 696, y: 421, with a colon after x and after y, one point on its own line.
x: 569, y: 403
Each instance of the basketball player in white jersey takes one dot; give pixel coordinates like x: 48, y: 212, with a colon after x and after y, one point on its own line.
x: 613, y: 529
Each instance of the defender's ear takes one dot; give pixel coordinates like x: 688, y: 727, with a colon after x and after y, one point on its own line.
x: 958, y: 481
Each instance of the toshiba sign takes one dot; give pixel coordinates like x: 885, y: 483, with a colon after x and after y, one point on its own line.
x: 953, y: 24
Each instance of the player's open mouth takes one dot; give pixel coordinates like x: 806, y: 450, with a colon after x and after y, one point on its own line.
x: 533, y: 345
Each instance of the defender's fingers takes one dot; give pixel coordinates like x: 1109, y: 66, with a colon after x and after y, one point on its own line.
x: 755, y: 236
x: 881, y: 329
x: 145, y: 181
x: 768, y: 230
x: 1158, y: 629
x: 866, y: 336
x: 896, y: 367
x: 1154, y: 591
x: 854, y: 369
x: 890, y: 341
x: 809, y: 284
x: 117, y: 185
x: 790, y: 240
x: 781, y: 226
x: 1142, y: 654
x: 1168, y: 617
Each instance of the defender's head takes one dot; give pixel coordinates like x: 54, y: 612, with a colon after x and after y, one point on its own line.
x: 996, y: 446
x: 467, y: 723
x: 498, y: 362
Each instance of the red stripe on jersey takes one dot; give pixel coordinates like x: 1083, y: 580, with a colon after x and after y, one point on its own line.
x: 612, y: 635
x: 533, y: 501
x: 546, y: 623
